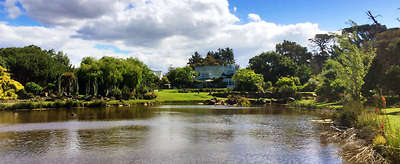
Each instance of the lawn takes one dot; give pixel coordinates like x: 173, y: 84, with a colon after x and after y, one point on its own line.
x: 172, y: 95
x: 393, y: 117
x: 392, y: 111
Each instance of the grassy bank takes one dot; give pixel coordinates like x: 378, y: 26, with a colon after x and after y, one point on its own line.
x: 164, y: 96
x: 51, y: 104
x: 312, y: 104
x: 385, y: 128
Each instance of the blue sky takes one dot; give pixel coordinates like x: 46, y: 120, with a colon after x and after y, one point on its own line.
x: 329, y: 14
x: 162, y: 33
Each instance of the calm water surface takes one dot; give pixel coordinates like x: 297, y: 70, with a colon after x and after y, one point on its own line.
x: 163, y: 134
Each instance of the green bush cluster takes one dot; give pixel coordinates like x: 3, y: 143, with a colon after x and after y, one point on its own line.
x: 286, y: 87
x: 34, y: 88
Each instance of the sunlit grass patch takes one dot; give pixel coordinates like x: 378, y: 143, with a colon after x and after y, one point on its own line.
x: 172, y: 95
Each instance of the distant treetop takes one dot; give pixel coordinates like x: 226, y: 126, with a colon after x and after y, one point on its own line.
x: 219, y: 57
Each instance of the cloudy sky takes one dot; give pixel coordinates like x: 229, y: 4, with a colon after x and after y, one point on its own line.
x: 166, y: 32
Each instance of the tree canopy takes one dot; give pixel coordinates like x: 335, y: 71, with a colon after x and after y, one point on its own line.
x: 109, y: 73
x: 182, y: 77
x: 353, y: 64
x: 219, y: 57
x: 32, y: 64
x: 294, y: 51
x: 248, y: 80
x: 273, y: 65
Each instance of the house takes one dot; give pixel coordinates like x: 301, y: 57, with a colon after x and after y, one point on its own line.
x: 216, y: 76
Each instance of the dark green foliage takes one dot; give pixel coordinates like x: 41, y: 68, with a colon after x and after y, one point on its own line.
x: 289, y: 59
x: 272, y: 66
x: 330, y: 88
x: 22, y: 94
x: 219, y: 57
x: 388, y: 55
x: 32, y: 64
x: 347, y: 117
x: 34, y: 88
x: 392, y: 79
x: 182, y: 77
x: 126, y: 93
x: 304, y: 73
x: 195, y: 60
x: 311, y: 85
x: 297, y: 53
x: 116, y: 92
x: 51, y: 87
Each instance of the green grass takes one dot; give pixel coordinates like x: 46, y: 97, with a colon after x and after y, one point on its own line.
x: 392, y: 115
x: 391, y: 121
x: 392, y: 111
x: 164, y: 96
x: 312, y: 104
x: 172, y: 95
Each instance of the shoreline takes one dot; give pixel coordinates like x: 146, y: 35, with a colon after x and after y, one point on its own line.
x: 351, y: 144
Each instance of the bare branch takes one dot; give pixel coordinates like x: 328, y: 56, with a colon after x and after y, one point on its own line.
x: 372, y: 17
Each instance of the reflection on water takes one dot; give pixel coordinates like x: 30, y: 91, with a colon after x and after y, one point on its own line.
x: 165, y: 134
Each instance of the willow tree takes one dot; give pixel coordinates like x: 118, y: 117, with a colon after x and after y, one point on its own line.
x: 68, y: 83
x: 353, y: 64
x: 90, y: 74
x: 9, y: 87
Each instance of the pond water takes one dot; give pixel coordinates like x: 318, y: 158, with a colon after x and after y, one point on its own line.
x: 164, y: 134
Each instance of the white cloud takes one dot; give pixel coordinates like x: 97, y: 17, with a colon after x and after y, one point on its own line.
x: 254, y: 17
x: 12, y: 10
x: 158, y: 32
x: 234, y: 9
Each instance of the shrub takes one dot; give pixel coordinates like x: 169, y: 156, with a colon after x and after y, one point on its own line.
x: 267, y: 85
x: 116, y: 92
x: 247, y: 80
x: 126, y: 93
x: 51, y: 88
x: 311, y: 85
x: 34, y: 88
x: 149, y: 96
x: 237, y: 100
x: 330, y: 90
x: 379, y: 140
x: 286, y: 87
x: 22, y: 94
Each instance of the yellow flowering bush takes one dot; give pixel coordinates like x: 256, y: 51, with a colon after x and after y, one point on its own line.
x: 9, y: 87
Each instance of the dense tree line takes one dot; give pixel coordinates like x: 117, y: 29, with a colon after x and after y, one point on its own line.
x: 51, y: 72
x: 182, y: 77
x: 363, y: 58
x: 289, y: 59
x: 219, y: 57
x: 116, y: 77
x: 32, y: 64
